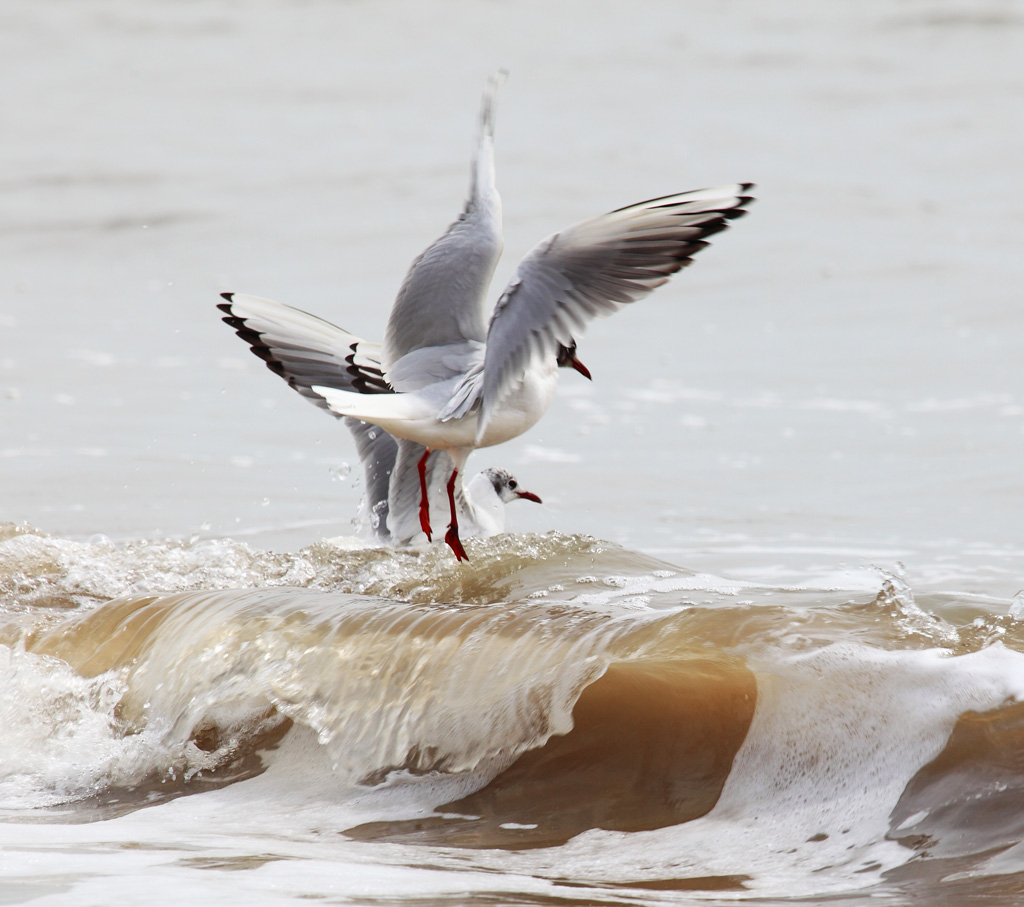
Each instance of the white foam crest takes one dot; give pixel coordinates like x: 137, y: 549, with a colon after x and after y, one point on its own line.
x: 63, y: 739
x: 636, y: 591
x: 36, y: 567
x: 897, y: 595
x: 837, y: 735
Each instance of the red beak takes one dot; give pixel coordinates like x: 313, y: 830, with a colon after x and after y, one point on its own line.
x: 580, y: 367
x: 529, y: 496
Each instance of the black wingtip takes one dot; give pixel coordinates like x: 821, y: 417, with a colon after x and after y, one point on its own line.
x: 745, y: 201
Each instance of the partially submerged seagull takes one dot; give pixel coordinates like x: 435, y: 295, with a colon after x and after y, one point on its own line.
x: 448, y: 379
x: 302, y: 348
x: 392, y: 499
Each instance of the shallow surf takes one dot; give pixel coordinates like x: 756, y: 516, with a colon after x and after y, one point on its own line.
x: 563, y: 710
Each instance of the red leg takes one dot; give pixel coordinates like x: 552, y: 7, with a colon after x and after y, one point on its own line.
x: 424, y: 499
x: 452, y: 535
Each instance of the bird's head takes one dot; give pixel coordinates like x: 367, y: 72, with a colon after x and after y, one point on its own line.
x: 567, y: 359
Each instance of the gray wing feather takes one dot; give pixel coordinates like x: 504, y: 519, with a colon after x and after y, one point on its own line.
x: 441, y: 301
x: 304, y: 350
x: 404, y: 494
x: 307, y: 351
x: 593, y: 269
x: 404, y: 498
x: 378, y: 452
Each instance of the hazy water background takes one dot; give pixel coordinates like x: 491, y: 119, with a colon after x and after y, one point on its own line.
x: 836, y: 383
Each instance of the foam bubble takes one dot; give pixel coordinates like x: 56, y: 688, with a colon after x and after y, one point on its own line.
x: 62, y: 739
x: 838, y: 733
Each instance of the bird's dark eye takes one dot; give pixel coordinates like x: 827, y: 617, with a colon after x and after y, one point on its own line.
x: 512, y: 484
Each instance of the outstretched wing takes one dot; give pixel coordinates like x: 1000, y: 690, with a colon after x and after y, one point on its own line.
x: 593, y: 269
x: 305, y: 350
x: 441, y: 302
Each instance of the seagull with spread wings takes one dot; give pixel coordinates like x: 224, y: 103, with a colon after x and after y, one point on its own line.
x: 449, y: 378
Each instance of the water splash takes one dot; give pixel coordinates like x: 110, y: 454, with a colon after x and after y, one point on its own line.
x: 1016, y: 611
x: 897, y: 597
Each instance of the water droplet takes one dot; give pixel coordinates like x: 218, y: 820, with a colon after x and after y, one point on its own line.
x: 265, y: 502
x: 341, y: 472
